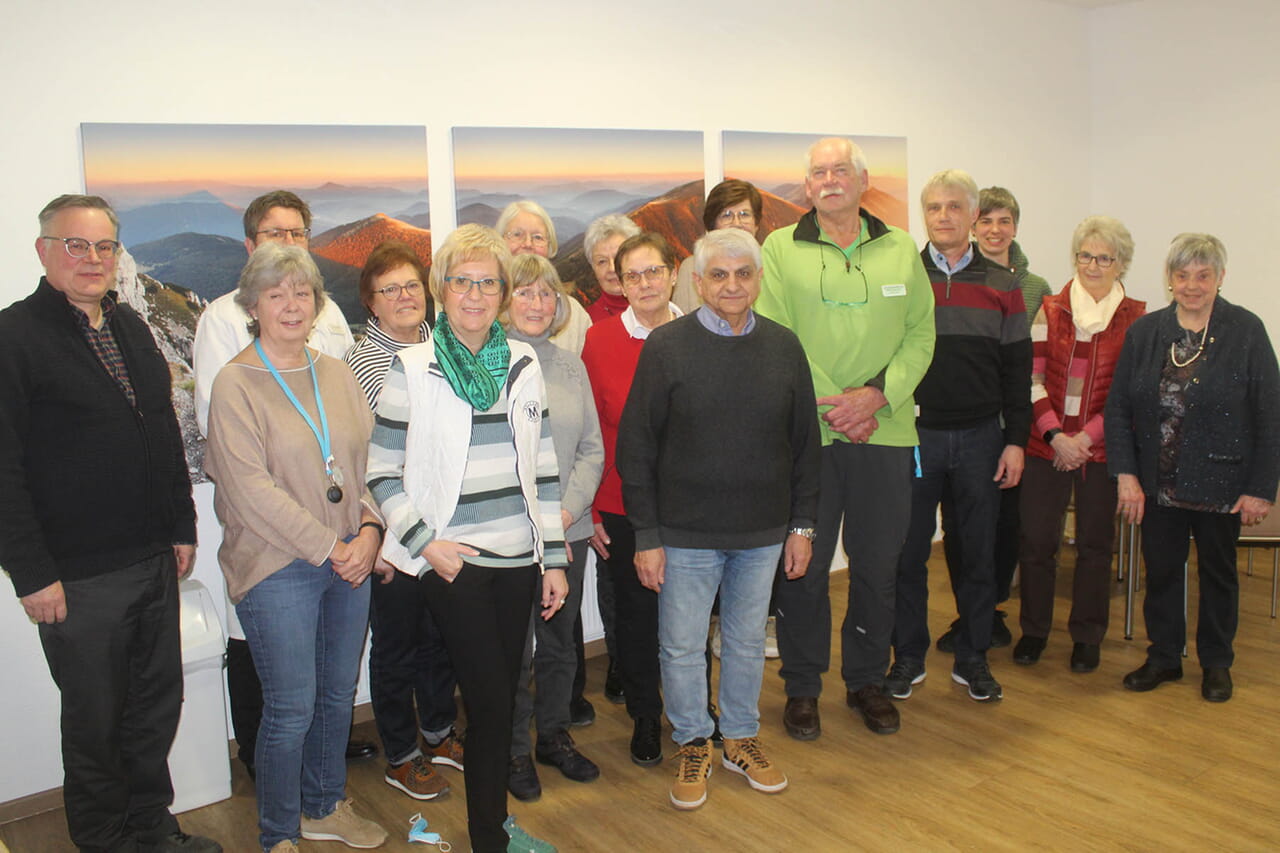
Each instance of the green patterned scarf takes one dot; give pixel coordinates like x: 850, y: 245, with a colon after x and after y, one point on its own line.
x: 476, y: 378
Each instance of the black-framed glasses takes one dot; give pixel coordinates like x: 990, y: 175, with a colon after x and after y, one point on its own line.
x: 853, y: 299
x: 462, y: 285
x: 654, y: 273
x: 78, y: 247
x: 298, y: 234
x: 1084, y: 259
x: 392, y: 291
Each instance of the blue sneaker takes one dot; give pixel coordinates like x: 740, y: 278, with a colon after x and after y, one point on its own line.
x: 521, y: 841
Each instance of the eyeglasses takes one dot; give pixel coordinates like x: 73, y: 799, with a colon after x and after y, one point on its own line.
x: 534, y: 294
x: 653, y: 273
x: 720, y: 276
x: 392, y: 291
x: 858, y: 300
x: 518, y: 236
x: 728, y: 217
x: 1084, y: 259
x: 298, y: 234
x: 461, y: 285
x: 78, y: 247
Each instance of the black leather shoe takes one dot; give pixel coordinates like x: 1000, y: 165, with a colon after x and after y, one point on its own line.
x: 581, y: 712
x: 560, y: 753
x: 876, y: 708
x: 1149, y: 677
x: 646, y: 742
x: 800, y: 717
x: 358, y: 750
x: 1216, y: 684
x: 1028, y: 650
x: 1085, y: 657
x: 947, y: 642
x: 522, y: 779
x: 1000, y: 635
x: 613, y: 684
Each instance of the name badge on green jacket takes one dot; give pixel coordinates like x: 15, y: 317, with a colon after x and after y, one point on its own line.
x: 887, y: 290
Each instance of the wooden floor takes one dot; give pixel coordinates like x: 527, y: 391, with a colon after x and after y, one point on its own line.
x: 1065, y: 762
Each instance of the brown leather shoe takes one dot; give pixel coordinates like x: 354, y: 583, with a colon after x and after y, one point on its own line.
x: 877, y: 709
x: 800, y: 717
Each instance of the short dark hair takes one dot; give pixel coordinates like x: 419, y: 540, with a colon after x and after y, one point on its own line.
x: 258, y: 208
x: 69, y: 200
x: 651, y: 239
x: 727, y: 193
x: 995, y: 198
x: 386, y: 256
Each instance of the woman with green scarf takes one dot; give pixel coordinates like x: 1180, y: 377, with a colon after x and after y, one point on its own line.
x: 463, y: 465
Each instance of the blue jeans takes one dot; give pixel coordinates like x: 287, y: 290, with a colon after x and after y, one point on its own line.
x: 305, y: 626
x: 956, y: 469
x: 744, y: 579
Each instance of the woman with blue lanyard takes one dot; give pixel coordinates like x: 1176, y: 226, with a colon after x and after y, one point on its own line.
x: 288, y: 433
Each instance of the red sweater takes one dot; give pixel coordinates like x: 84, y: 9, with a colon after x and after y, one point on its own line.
x: 607, y: 306
x: 611, y: 355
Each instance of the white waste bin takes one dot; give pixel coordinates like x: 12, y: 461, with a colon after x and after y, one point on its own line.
x: 199, y: 761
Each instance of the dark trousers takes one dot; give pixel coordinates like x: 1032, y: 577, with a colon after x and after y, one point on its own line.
x: 117, y: 661
x: 244, y: 691
x: 407, y: 661
x: 1044, y: 503
x: 960, y: 462
x: 483, y: 615
x: 635, y: 622
x: 1165, y: 547
x: 869, y: 488
x: 1008, y: 526
x: 555, y: 663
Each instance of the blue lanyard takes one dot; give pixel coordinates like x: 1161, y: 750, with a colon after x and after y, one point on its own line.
x: 321, y: 434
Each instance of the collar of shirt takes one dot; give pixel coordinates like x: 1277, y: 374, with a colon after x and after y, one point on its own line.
x: 82, y: 319
x: 716, y: 324
x: 941, y: 260
x: 632, y: 324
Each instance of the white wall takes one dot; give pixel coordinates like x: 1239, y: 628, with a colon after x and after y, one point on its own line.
x: 1009, y: 89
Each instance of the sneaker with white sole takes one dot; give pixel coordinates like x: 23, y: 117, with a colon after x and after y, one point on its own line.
x: 690, y: 788
x: 343, y: 824
x: 746, y: 757
x: 519, y: 841
x: 976, y: 675
x: 416, y: 778
x: 902, y: 676
x: 448, y: 752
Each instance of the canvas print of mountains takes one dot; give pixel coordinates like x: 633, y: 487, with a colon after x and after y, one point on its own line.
x: 775, y: 163
x: 180, y: 192
x: 653, y: 176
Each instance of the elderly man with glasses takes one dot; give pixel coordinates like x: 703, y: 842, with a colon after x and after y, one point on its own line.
x: 854, y: 291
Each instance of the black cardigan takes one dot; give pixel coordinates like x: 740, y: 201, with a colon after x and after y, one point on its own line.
x: 88, y: 483
x: 1231, y: 432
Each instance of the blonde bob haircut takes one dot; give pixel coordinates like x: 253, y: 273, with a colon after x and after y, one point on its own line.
x: 471, y: 243
x: 528, y: 270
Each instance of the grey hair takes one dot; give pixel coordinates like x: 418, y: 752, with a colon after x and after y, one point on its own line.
x: 531, y: 269
x: 856, y: 157
x: 724, y: 243
x: 1191, y: 248
x: 1109, y: 230
x: 273, y: 264
x: 69, y: 200
x: 956, y: 179
x: 526, y: 205
x: 607, y: 226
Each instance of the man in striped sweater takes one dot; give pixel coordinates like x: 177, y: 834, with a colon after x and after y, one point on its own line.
x: 974, y: 419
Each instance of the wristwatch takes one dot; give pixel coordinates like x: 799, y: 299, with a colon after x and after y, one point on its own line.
x: 806, y: 532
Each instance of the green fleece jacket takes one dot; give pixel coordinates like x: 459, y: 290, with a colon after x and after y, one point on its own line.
x: 1034, y: 287
x: 865, y: 320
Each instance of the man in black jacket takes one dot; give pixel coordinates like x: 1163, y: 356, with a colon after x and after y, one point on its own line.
x: 99, y: 527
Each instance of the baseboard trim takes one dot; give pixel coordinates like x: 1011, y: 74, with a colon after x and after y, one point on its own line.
x: 31, y: 805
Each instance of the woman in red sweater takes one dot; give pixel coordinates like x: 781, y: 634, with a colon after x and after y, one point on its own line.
x: 1076, y: 338
x: 645, y: 265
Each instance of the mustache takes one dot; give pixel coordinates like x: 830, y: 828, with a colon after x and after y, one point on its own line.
x: 831, y: 192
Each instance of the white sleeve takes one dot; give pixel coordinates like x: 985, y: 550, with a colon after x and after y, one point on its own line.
x: 220, y: 335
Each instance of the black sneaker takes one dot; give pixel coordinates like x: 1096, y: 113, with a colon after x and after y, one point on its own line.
x: 1000, y: 634
x: 646, y: 742
x: 560, y: 753
x: 522, y: 779
x: 581, y: 712
x: 613, y: 684
x: 902, y: 675
x: 947, y: 642
x: 976, y: 675
x: 180, y: 842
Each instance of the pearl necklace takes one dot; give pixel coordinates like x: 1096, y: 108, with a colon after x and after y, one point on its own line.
x: 1204, y: 339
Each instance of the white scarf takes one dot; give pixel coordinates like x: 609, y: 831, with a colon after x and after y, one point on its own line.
x: 1091, y: 317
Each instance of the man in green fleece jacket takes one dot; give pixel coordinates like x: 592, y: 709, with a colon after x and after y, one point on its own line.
x: 855, y: 292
